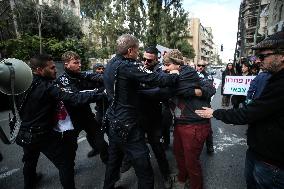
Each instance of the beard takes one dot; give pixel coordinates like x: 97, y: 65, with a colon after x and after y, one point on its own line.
x: 274, y: 66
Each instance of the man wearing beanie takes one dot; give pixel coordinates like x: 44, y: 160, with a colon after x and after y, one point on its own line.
x: 264, y: 166
x: 190, y: 130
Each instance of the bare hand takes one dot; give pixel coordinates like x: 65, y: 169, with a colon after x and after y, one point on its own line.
x: 198, y: 92
x: 205, y: 113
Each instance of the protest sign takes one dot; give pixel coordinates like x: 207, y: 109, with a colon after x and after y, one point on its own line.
x: 237, y: 85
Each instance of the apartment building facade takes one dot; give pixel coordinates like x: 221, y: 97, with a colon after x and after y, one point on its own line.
x: 275, y: 17
x: 257, y: 20
x: 201, y: 39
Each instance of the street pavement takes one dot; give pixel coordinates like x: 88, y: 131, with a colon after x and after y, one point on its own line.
x: 222, y: 170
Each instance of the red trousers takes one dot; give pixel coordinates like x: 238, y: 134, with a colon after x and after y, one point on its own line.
x: 188, y: 145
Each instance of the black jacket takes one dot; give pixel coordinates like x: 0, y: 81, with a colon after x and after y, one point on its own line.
x: 38, y: 111
x: 185, y: 102
x: 125, y: 99
x: 150, y: 106
x: 265, y: 116
x: 80, y: 115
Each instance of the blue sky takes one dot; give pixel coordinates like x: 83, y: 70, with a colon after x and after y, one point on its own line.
x: 222, y: 17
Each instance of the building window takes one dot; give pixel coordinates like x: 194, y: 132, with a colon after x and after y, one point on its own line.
x: 252, y: 22
x: 280, y: 12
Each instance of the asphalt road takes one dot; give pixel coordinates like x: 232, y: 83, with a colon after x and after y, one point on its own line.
x: 223, y: 170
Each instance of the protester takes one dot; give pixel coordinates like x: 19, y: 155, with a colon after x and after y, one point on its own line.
x: 240, y: 99
x: 257, y: 85
x: 264, y: 167
x: 122, y: 78
x: 254, y: 69
x: 38, y: 114
x: 229, y: 71
x: 190, y: 130
x: 82, y: 117
x: 204, y: 76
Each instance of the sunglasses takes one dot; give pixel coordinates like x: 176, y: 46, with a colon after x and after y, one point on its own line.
x: 201, y: 66
x: 148, y: 60
x: 261, y: 57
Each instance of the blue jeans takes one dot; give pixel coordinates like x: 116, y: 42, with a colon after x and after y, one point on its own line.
x: 260, y: 175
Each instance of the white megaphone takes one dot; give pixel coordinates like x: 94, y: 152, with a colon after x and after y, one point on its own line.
x: 15, y: 76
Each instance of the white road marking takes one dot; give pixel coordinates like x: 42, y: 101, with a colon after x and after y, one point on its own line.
x: 8, y: 173
x: 81, y: 139
x: 227, y: 141
x: 220, y: 130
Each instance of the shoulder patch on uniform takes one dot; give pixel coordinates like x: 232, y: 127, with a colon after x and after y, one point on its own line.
x: 143, y: 69
x: 64, y: 81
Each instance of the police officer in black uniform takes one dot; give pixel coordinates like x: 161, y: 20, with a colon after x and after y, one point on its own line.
x: 206, y: 77
x: 100, y: 107
x: 122, y: 77
x: 151, y: 115
x: 38, y: 115
x: 82, y: 116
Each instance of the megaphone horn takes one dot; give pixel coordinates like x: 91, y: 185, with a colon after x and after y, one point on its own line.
x: 15, y: 74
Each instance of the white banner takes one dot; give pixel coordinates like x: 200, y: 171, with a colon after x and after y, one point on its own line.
x: 163, y: 50
x: 237, y: 85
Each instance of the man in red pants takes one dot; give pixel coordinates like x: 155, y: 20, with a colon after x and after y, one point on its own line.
x: 190, y: 130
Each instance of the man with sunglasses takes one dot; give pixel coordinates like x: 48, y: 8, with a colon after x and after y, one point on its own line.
x: 264, y: 167
x: 151, y: 115
x: 203, y: 75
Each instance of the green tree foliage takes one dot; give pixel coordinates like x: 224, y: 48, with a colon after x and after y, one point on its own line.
x: 174, y: 29
x: 56, y: 22
x: 152, y: 22
x: 154, y: 15
x: 107, y: 26
x: 136, y: 18
x: 27, y: 46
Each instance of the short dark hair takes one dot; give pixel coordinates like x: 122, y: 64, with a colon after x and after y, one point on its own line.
x: 40, y: 61
x: 152, y: 50
x: 124, y: 42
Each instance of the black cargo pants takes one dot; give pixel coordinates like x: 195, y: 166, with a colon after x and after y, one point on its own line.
x: 136, y: 151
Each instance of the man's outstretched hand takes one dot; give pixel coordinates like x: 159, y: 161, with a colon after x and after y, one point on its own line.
x: 205, y: 113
